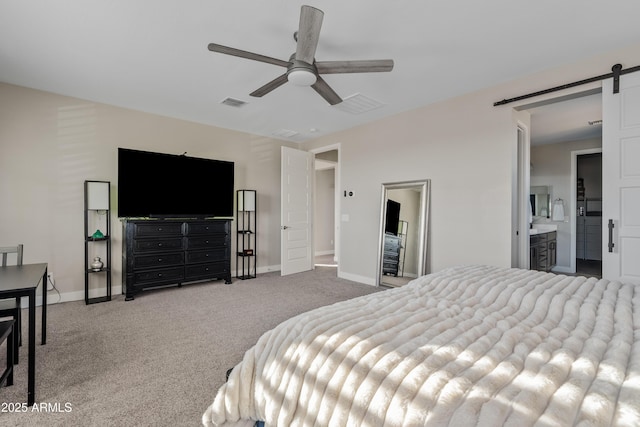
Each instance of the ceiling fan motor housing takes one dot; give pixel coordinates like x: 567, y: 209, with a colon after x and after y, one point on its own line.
x: 301, y: 73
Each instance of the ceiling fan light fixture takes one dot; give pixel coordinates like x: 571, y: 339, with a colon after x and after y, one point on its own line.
x: 301, y: 77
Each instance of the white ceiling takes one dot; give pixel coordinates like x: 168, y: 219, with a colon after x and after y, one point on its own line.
x: 151, y: 55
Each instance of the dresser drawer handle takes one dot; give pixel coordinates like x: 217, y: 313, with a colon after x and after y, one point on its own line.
x: 159, y: 274
x: 159, y: 259
x: 159, y: 228
x: 159, y: 244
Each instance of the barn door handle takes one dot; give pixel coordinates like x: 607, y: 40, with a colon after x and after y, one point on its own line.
x: 611, y: 244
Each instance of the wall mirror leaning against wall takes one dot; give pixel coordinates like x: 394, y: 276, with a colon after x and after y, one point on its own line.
x: 404, y: 231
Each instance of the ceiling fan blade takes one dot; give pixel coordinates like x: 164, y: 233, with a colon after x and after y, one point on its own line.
x: 326, y: 92
x: 308, y: 33
x: 273, y: 84
x: 244, y: 54
x: 363, y: 66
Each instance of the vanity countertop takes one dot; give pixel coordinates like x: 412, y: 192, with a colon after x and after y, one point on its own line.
x: 542, y: 228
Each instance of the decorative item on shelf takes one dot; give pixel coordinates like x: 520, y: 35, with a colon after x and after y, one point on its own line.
x: 98, y: 235
x: 97, y: 264
x: 558, y: 210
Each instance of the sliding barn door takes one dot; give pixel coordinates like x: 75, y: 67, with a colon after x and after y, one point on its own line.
x: 621, y: 179
x: 296, y: 245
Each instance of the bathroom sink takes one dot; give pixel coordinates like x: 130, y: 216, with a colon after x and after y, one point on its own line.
x: 543, y: 228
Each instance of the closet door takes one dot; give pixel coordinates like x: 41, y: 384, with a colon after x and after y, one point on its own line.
x: 621, y: 179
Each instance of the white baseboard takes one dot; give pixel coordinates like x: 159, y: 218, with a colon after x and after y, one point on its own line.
x: 321, y: 253
x: 357, y: 278
x: 54, y: 297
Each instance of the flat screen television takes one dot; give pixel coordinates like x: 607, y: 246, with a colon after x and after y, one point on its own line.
x: 393, y: 217
x: 171, y: 186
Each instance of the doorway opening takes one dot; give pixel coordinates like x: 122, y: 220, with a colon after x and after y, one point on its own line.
x: 588, y: 232
x: 326, y: 207
x: 559, y: 128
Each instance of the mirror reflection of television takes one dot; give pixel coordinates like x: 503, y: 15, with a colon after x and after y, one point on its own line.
x: 393, y: 217
x: 170, y: 186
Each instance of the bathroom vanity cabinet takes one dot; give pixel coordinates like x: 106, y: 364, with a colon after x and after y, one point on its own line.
x: 542, y: 251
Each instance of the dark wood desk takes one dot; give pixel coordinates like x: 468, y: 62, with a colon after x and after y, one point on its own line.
x: 20, y: 281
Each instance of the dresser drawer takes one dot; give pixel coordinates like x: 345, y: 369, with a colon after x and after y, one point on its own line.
x: 159, y: 260
x: 157, y: 229
x: 194, y: 257
x: 389, y: 263
x: 156, y: 245
x: 390, y: 255
x: 209, y: 270
x: 206, y: 242
x: 169, y: 275
x: 209, y: 227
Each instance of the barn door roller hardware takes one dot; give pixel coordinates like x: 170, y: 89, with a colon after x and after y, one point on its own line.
x: 616, y: 72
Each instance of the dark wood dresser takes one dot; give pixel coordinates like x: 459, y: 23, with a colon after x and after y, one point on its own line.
x: 391, y: 254
x: 159, y: 253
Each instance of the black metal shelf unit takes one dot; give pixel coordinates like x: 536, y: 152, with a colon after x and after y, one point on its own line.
x: 246, y: 254
x: 97, y: 217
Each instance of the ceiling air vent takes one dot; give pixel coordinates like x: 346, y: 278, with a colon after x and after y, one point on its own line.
x: 232, y: 102
x: 285, y: 133
x: 357, y: 104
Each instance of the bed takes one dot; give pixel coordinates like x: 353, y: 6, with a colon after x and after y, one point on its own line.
x: 470, y: 345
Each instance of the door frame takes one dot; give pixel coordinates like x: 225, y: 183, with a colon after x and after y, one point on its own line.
x: 520, y: 218
x: 551, y: 98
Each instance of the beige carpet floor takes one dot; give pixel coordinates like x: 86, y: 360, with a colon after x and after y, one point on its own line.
x: 157, y: 360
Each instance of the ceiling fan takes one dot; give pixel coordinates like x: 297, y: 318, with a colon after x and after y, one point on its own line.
x: 302, y: 68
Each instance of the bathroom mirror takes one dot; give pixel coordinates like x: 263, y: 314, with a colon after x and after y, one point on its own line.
x: 404, y: 223
x: 540, y: 201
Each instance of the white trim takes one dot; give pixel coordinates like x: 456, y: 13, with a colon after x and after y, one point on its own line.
x: 357, y: 278
x: 54, y: 297
x: 521, y: 194
x: 321, y: 253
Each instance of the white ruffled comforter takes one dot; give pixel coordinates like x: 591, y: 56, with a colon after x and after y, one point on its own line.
x: 467, y: 346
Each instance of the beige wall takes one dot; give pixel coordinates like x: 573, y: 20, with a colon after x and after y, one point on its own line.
x: 50, y: 144
x: 467, y: 147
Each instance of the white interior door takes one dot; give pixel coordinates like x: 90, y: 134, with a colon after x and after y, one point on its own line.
x: 296, y: 243
x: 621, y: 179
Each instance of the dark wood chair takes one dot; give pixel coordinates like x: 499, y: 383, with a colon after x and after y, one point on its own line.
x: 11, y: 307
